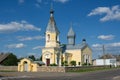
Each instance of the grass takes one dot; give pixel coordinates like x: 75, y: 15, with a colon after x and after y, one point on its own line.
x: 92, y: 69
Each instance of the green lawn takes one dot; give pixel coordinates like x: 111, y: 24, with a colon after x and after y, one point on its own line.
x: 91, y: 69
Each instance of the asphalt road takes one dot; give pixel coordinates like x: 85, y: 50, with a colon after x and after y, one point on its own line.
x: 99, y: 75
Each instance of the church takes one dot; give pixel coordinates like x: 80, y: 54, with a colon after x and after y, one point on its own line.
x: 56, y: 53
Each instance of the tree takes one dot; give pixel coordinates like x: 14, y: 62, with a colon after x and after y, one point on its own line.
x: 107, y: 56
x: 41, y: 58
x: 73, y: 63
x: 32, y: 57
x: 11, y: 60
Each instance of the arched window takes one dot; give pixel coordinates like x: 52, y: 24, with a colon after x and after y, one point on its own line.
x: 48, y: 37
x: 56, y: 38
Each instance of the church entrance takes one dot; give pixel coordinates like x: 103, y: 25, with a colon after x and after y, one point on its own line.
x: 48, y: 62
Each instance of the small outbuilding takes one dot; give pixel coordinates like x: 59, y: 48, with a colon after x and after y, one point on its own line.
x: 3, y: 57
x: 107, y: 62
x: 28, y: 65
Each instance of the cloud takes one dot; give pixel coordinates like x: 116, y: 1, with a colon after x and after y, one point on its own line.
x: 38, y: 3
x: 112, y: 13
x: 21, y: 1
x: 62, y: 1
x: 96, y: 45
x: 19, y: 45
x: 114, y: 44
x: 38, y: 47
x: 106, y: 37
x: 109, y: 48
x: 20, y: 38
x: 17, y: 26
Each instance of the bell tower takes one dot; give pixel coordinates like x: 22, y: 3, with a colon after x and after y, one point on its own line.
x: 51, y: 53
x: 52, y: 32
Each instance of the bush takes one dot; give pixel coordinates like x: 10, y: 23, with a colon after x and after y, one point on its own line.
x: 85, y: 64
x: 73, y: 63
x: 64, y: 63
x: 53, y: 64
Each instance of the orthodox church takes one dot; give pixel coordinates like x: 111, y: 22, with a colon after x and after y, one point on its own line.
x: 55, y: 53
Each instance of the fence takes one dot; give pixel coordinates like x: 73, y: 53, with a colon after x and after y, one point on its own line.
x: 51, y: 68
x: 8, y: 68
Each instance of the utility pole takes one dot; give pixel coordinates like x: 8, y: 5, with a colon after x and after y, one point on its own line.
x: 104, y: 55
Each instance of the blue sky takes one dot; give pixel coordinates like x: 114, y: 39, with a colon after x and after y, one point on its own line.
x: 23, y: 24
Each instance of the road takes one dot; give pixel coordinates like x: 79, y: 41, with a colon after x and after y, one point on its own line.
x: 99, y: 75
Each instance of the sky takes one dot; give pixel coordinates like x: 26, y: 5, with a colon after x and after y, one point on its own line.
x: 23, y: 24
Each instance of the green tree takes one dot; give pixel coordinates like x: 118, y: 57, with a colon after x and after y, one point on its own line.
x: 41, y: 58
x: 32, y: 57
x: 73, y: 63
x: 11, y: 60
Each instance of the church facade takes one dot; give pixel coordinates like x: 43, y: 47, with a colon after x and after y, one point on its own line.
x: 56, y: 53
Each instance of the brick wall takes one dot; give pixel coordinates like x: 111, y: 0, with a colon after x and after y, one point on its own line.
x: 64, y: 69
x: 51, y: 69
x: 67, y: 69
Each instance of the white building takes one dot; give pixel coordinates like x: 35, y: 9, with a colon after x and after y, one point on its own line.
x: 102, y: 62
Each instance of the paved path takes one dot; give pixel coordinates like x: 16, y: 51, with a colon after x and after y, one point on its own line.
x: 99, y: 75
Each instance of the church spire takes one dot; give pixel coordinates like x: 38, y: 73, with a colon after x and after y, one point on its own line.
x: 51, y: 27
x: 71, y: 36
x: 71, y: 33
x: 51, y: 10
x: 52, y: 32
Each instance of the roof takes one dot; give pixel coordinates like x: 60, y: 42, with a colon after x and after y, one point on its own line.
x: 28, y: 59
x: 51, y: 27
x: 71, y: 33
x: 3, y: 57
x: 78, y: 46
x: 39, y: 62
x: 72, y: 47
